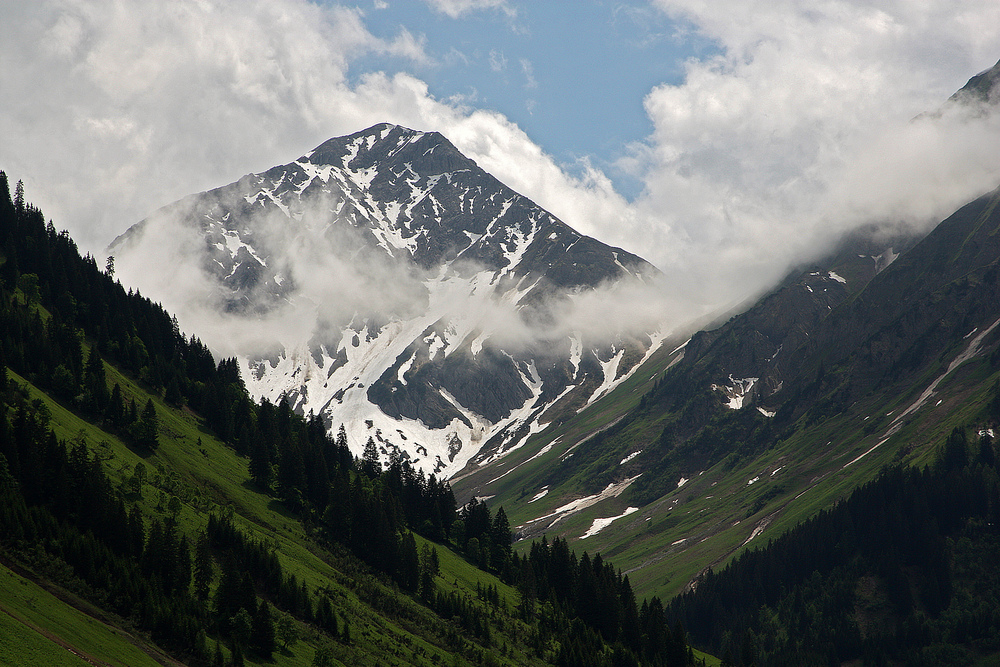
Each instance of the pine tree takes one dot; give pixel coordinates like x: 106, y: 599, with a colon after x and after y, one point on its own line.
x: 95, y: 385
x: 203, y: 570
x: 263, y: 631
x: 370, y: 463
x: 115, y: 413
x: 19, y: 198
x: 147, y: 431
x: 260, y: 465
x: 409, y: 567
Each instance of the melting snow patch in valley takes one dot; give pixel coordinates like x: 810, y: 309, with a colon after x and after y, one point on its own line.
x: 751, y: 481
x: 758, y: 529
x: 834, y: 276
x: 540, y: 494
x: 612, y: 490
x: 766, y: 413
x: 600, y: 524
x: 630, y: 457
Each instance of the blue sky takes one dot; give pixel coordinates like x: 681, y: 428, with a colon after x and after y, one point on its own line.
x: 571, y: 74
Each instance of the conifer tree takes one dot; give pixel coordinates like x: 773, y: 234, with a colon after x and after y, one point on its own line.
x: 263, y: 631
x: 147, y: 431
x: 203, y: 571
x: 370, y: 463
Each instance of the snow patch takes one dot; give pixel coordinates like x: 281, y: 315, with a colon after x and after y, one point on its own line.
x: 736, y: 392
x: 541, y: 494
x: 758, y: 529
x: 612, y: 490
x: 600, y: 524
x: 630, y: 457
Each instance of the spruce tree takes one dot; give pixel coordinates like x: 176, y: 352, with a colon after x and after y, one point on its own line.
x: 203, y: 571
x: 370, y: 463
x: 263, y: 631
x: 147, y: 432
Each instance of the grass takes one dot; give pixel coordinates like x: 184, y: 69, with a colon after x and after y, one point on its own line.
x: 717, y: 511
x: 39, y: 629
x: 20, y: 644
x: 387, y: 627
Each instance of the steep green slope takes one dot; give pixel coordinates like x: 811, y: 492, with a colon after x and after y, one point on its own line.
x: 902, y: 572
x: 844, y: 359
x: 174, y: 484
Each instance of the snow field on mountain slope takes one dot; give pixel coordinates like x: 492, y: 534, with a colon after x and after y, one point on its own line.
x: 612, y: 490
x: 600, y: 524
x: 297, y: 373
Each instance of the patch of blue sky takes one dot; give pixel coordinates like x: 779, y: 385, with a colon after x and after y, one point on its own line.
x: 572, y: 74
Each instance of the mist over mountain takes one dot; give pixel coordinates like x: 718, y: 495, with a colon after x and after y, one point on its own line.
x: 865, y: 357
x: 386, y: 282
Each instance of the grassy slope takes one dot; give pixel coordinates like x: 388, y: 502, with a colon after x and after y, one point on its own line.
x: 38, y: 628
x: 708, y: 520
x: 209, y: 477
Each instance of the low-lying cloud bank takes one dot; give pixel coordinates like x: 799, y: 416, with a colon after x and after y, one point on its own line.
x: 806, y: 126
x: 317, y: 276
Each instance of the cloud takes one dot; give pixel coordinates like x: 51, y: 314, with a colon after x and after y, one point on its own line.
x: 328, y: 286
x: 458, y: 8
x: 113, y: 109
x: 801, y: 128
x: 529, y: 74
x: 498, y: 61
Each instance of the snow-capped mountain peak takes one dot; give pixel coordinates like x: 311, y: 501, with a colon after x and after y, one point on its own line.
x: 407, y: 294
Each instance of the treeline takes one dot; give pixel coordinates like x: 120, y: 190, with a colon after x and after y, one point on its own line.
x: 581, y: 604
x: 45, y: 267
x: 601, y: 598
x: 898, y: 572
x: 371, y: 511
x: 62, y: 516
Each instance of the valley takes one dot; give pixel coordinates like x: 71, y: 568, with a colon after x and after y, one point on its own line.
x: 432, y: 423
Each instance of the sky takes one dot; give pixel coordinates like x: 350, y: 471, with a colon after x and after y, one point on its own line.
x: 572, y: 75
x: 723, y: 140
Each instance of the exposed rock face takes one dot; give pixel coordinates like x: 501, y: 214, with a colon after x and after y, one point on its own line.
x: 439, y: 294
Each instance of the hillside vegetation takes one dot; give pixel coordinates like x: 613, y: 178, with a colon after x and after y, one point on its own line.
x: 152, y: 513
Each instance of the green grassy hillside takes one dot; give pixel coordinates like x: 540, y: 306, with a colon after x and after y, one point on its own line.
x: 209, y: 478
x: 703, y: 482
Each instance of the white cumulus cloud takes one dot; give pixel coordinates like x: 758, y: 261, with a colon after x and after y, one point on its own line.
x: 802, y: 126
x: 457, y: 8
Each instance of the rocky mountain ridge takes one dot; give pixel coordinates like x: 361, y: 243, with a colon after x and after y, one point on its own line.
x: 442, y: 301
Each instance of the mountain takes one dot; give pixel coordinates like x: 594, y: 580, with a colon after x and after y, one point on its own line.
x: 152, y: 514
x: 441, y: 312
x: 868, y: 357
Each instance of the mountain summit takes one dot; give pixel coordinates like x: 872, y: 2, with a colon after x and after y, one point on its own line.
x: 386, y: 282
